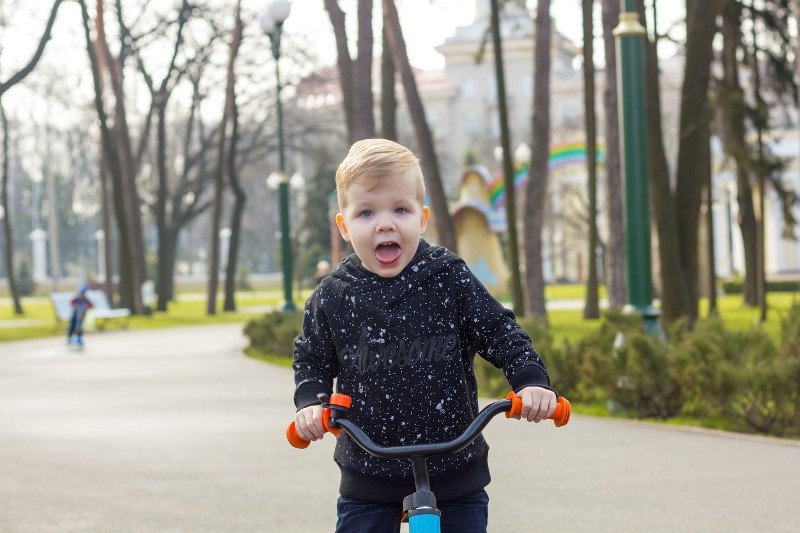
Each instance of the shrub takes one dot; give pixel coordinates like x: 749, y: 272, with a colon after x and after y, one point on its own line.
x: 274, y: 333
x: 735, y: 286
x: 708, y: 361
x: 646, y: 383
x: 26, y: 284
x: 769, y: 394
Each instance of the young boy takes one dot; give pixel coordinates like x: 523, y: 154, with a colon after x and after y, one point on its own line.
x: 397, y: 324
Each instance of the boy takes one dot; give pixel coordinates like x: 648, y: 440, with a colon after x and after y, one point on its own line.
x: 397, y: 325
x: 80, y: 304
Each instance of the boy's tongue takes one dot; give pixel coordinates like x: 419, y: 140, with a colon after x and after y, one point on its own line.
x: 388, y: 253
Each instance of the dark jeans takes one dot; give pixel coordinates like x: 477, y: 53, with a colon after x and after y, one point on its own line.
x: 468, y: 514
x: 75, y: 325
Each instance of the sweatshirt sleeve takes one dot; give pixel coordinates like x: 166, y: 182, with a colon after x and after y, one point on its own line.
x: 315, y: 361
x: 493, y: 332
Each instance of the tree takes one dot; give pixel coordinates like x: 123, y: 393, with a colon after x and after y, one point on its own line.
x: 121, y: 161
x: 692, y: 148
x: 15, y: 78
x: 160, y: 93
x: 592, y: 307
x: 363, y: 111
x: 8, y: 255
x: 679, y: 267
x: 219, y: 172
x: 355, y: 77
x: 615, y: 277
x: 232, y: 262
x: 536, y: 188
x: 22, y: 73
x: 344, y: 63
x: 388, y: 96
x: 429, y: 159
x: 517, y: 295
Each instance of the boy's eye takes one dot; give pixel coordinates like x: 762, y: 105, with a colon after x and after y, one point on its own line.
x: 365, y: 213
x: 400, y: 210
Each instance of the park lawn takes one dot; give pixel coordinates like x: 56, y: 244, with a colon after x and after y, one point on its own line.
x: 189, y: 309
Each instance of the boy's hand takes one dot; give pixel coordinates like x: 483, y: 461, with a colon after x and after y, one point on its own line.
x: 308, y: 422
x: 537, y: 403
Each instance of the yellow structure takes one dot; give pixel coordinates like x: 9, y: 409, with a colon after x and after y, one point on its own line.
x: 477, y: 226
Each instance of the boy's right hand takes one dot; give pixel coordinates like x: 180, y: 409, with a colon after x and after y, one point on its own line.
x: 308, y: 422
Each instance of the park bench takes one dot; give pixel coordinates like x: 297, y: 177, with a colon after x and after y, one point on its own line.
x: 101, y: 310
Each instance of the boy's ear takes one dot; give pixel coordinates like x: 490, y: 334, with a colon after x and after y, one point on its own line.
x: 342, y: 227
x: 426, y: 213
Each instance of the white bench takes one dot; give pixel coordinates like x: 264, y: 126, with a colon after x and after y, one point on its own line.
x: 101, y: 311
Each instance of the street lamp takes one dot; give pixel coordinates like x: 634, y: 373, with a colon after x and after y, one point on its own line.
x: 630, y: 35
x: 272, y: 18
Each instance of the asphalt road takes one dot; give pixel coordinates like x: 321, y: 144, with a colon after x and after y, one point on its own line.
x: 176, y: 430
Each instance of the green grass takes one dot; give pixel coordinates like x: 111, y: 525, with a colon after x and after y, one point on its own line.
x: 189, y: 309
x: 279, y: 360
x: 39, y: 319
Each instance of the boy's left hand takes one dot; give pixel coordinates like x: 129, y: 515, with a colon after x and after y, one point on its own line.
x: 537, y: 403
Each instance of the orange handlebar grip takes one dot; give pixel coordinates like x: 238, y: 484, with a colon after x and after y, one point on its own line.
x: 516, y: 405
x: 561, y: 414
x: 326, y: 421
x: 294, y: 438
x: 297, y: 441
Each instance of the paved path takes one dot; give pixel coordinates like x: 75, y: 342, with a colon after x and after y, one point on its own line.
x: 175, y: 430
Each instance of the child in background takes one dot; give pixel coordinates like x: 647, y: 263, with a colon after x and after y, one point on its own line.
x: 397, y: 325
x: 80, y: 304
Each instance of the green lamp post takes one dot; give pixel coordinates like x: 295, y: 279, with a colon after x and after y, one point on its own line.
x: 272, y: 19
x: 630, y: 81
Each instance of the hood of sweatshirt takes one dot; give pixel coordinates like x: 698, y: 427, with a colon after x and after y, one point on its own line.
x: 428, y: 261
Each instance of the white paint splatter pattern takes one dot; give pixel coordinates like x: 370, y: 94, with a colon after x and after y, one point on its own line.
x: 431, y: 400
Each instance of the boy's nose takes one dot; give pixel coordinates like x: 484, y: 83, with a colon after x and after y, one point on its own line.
x: 385, y: 224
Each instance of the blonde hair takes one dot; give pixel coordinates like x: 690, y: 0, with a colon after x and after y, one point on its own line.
x: 377, y: 160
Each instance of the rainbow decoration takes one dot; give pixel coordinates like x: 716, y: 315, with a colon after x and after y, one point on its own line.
x: 561, y: 155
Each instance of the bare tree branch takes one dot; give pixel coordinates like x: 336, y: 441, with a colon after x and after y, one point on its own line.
x: 28, y: 68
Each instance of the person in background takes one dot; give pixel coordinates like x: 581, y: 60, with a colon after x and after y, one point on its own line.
x: 80, y: 304
x: 323, y: 271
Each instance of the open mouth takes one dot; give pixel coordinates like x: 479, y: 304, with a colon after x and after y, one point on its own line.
x: 388, y: 252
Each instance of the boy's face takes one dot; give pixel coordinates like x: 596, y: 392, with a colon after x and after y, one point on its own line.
x: 384, y: 225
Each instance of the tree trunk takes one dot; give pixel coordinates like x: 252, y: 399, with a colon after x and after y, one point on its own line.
x: 701, y: 24
x: 517, y: 296
x: 112, y: 160
x: 343, y: 62
x: 105, y: 222
x: 761, y: 113
x: 674, y: 293
x: 615, y: 276
x: 233, y: 177
x: 219, y: 172
x: 8, y: 254
x: 536, y: 188
x: 167, y: 250
x: 709, y: 209
x: 429, y: 160
x: 364, y: 116
x: 131, y: 252
x: 388, y: 96
x: 733, y: 110
x: 592, y: 308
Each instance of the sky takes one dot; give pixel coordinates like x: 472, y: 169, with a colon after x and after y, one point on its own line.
x: 427, y: 23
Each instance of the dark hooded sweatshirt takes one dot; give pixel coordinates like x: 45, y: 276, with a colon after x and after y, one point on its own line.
x: 403, y: 349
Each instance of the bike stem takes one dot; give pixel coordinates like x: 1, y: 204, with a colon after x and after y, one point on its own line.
x: 422, y: 502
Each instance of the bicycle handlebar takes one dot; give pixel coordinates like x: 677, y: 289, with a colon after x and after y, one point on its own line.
x: 511, y: 406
